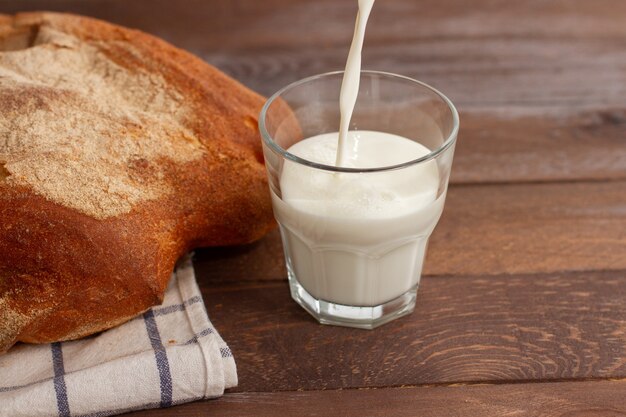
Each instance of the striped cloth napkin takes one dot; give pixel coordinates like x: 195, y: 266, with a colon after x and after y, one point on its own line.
x: 169, y: 355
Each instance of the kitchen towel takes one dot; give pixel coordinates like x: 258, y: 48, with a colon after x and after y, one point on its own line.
x: 169, y: 355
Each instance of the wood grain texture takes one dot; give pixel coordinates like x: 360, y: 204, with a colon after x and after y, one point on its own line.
x: 531, y: 228
x: 497, y: 149
x: 514, y: 76
x: 579, y: 399
x: 486, y: 230
x: 201, y: 23
x: 464, y: 329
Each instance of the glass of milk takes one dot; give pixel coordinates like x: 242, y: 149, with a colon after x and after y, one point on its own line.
x: 355, y: 235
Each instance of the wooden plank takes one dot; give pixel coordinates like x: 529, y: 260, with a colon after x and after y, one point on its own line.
x: 198, y: 23
x: 486, y: 230
x: 531, y: 228
x: 497, y: 149
x: 571, y: 399
x: 507, y: 76
x: 464, y: 329
x: 260, y: 261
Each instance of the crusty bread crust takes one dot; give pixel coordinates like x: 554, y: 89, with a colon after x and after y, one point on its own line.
x: 69, y: 269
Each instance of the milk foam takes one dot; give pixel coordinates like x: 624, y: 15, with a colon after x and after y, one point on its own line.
x: 368, y: 195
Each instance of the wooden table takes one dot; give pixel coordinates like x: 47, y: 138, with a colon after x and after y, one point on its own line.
x: 522, y: 307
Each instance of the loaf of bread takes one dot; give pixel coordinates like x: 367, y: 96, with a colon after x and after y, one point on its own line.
x: 118, y: 154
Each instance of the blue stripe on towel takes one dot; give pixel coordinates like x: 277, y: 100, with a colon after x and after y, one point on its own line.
x: 225, y: 352
x: 16, y: 387
x: 197, y: 336
x: 161, y: 359
x: 59, y: 380
x: 161, y: 311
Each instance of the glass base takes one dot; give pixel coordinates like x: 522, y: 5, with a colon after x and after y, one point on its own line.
x: 349, y: 316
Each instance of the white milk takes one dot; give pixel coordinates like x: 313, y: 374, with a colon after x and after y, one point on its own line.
x: 350, y: 83
x: 358, y: 239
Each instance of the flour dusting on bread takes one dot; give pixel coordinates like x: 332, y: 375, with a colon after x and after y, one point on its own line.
x: 73, y: 122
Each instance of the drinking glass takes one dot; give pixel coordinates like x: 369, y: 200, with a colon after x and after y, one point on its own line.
x: 351, y: 271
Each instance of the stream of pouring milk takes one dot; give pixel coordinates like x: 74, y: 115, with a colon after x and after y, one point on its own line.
x: 357, y: 239
x: 351, y: 78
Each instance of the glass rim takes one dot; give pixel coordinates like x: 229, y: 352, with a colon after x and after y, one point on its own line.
x: 269, y: 141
